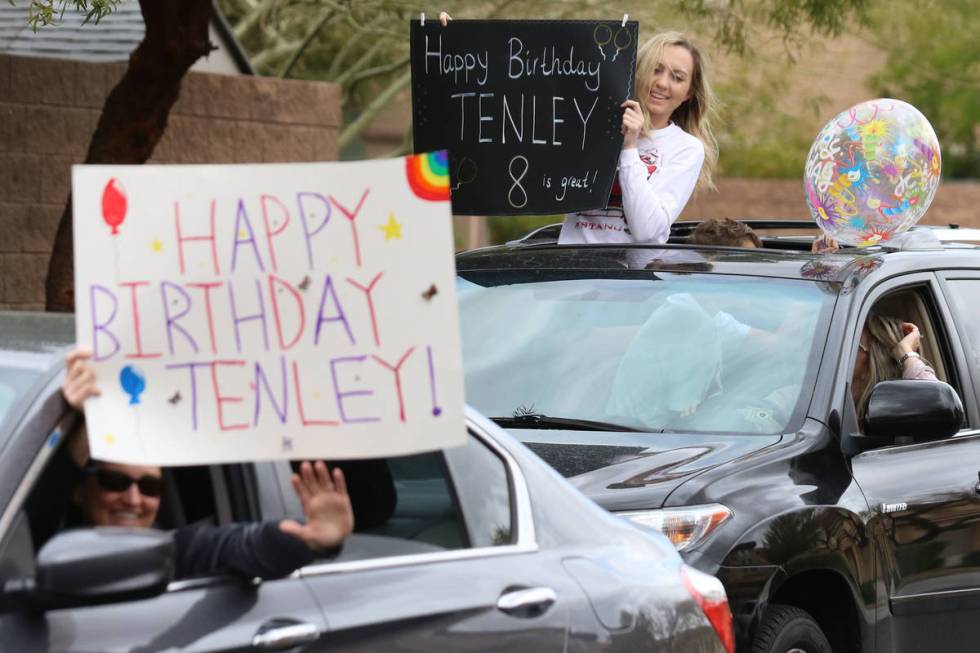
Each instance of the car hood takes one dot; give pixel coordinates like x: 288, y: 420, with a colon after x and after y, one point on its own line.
x: 635, y: 471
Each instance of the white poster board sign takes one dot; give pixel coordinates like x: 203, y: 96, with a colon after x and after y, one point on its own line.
x: 252, y: 312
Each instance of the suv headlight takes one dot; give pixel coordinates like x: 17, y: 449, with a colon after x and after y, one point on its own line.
x: 685, y: 527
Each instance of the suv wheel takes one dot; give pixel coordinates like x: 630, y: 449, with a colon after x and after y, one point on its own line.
x: 787, y: 629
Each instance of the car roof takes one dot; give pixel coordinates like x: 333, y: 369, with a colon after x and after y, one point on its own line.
x: 37, y: 341
x: 781, y: 256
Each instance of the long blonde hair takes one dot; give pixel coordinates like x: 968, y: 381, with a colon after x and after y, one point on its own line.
x: 695, y: 114
x: 885, y: 332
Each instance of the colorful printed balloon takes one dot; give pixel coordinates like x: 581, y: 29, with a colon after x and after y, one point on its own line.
x: 872, y: 172
x: 133, y: 383
x: 114, y: 204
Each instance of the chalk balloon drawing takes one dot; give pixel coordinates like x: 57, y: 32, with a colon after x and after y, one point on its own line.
x: 872, y: 172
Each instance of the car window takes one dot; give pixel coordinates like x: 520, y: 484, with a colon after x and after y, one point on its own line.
x: 429, y: 502
x: 914, y: 305
x: 874, y: 358
x: 421, y: 503
x: 483, y: 490
x: 188, y: 497
x: 664, y: 351
x: 424, y: 509
x: 963, y: 296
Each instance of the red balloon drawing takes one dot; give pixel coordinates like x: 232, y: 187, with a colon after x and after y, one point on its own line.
x: 114, y: 204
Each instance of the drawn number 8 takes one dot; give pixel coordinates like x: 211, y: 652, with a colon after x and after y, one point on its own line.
x: 516, y: 186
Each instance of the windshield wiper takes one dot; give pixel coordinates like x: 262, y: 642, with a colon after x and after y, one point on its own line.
x: 539, y: 421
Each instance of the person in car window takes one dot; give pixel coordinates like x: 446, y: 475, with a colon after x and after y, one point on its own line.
x: 888, y: 350
x: 112, y: 494
x: 727, y: 232
x: 724, y: 232
x: 668, y: 148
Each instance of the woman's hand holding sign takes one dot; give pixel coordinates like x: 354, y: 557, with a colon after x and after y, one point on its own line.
x: 632, y: 123
x: 79, y: 382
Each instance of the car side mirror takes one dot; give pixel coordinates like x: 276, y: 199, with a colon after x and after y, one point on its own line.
x: 920, y: 410
x: 92, y: 566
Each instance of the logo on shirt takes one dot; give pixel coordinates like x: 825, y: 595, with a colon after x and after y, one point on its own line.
x: 602, y: 226
x: 651, y: 159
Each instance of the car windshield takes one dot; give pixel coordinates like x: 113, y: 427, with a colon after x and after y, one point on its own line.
x: 671, y: 351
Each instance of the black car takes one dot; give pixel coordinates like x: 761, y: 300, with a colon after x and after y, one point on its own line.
x: 705, y: 392
x: 466, y: 549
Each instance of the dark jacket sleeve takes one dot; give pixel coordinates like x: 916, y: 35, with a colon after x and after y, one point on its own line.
x: 250, y: 549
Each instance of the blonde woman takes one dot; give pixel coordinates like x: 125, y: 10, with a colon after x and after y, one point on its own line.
x: 668, y: 148
x: 888, y: 350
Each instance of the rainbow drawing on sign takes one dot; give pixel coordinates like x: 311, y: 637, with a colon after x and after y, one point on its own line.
x: 428, y: 175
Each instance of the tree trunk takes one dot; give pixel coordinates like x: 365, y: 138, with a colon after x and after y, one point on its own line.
x: 135, y: 113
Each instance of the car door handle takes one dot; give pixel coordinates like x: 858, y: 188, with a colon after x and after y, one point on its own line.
x: 527, y: 603
x: 280, y: 633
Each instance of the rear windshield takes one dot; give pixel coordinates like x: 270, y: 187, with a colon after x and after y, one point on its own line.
x: 674, y: 351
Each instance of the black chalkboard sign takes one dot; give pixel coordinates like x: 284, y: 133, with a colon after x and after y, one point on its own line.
x: 529, y: 110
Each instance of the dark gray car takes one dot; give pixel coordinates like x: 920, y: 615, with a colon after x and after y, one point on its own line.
x: 481, y: 547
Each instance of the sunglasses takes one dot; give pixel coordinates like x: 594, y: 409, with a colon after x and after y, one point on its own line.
x: 113, y: 481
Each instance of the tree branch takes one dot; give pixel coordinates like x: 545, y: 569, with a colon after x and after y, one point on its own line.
x: 351, y: 43
x: 270, y: 54
x: 251, y: 20
x: 325, y: 18
x: 403, y: 149
x: 377, y: 71
x: 362, y: 61
x: 352, y: 130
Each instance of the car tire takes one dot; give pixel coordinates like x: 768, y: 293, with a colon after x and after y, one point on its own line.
x: 788, y: 629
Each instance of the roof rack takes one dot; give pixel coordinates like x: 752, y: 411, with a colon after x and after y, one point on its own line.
x: 686, y: 227
x: 952, y: 234
x: 546, y: 234
x: 549, y: 233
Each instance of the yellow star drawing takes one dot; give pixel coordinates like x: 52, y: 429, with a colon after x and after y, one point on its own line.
x: 109, y: 438
x: 393, y: 229
x: 316, y: 396
x: 157, y: 245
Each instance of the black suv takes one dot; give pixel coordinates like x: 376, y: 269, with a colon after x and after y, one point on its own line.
x: 705, y: 392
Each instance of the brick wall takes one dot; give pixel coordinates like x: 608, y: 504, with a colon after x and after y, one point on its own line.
x: 49, y: 109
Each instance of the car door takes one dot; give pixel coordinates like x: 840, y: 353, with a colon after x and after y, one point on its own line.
x: 456, y: 566
x: 924, y: 507
x: 215, y: 615
x: 203, y: 614
x: 962, y: 291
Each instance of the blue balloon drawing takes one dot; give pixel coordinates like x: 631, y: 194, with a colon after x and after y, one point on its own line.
x: 133, y: 383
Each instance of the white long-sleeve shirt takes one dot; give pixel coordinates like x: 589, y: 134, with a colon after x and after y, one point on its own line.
x: 657, y: 179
